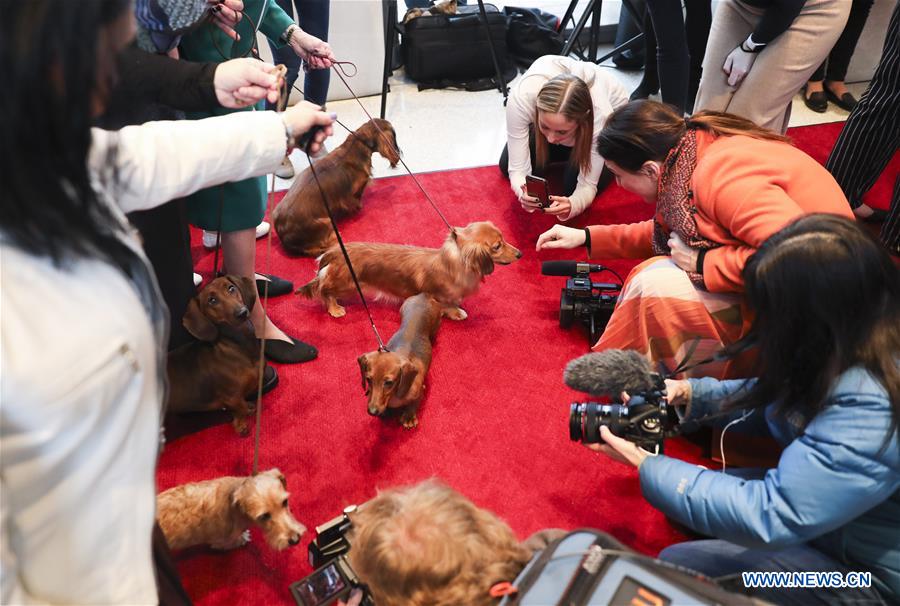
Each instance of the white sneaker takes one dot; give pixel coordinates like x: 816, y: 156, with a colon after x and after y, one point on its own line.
x: 286, y: 170
x: 209, y: 237
x: 197, y: 279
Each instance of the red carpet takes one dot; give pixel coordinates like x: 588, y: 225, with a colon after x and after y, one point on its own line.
x: 494, y: 422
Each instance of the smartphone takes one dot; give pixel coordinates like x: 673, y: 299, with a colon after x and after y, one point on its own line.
x: 536, y: 187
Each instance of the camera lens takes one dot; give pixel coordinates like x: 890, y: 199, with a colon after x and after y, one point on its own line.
x: 585, y: 419
x: 575, y: 416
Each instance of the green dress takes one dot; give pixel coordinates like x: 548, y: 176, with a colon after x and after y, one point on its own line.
x: 242, y: 203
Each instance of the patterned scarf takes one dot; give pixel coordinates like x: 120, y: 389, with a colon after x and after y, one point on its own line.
x: 675, y: 208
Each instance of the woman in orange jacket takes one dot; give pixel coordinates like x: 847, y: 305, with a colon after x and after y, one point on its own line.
x: 721, y: 186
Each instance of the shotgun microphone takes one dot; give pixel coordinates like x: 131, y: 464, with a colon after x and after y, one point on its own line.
x: 610, y: 372
x: 569, y: 268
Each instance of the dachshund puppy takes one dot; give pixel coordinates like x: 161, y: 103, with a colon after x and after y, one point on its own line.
x: 395, y: 378
x: 448, y: 274
x: 222, y: 368
x: 300, y: 219
x: 219, y: 512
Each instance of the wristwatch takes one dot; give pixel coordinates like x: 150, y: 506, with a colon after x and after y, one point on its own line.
x: 749, y: 46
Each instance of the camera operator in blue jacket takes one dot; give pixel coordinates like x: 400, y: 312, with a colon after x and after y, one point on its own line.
x: 827, y: 304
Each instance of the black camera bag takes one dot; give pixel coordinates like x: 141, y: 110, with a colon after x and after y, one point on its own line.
x: 452, y: 50
x: 591, y: 568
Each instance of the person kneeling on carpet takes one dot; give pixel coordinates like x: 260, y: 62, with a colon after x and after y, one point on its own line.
x: 557, y: 109
x: 721, y: 186
x: 827, y: 304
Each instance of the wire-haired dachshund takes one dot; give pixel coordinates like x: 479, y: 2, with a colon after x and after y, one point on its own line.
x: 448, y: 274
x: 219, y: 512
x: 300, y: 219
x: 395, y: 379
x: 221, y: 369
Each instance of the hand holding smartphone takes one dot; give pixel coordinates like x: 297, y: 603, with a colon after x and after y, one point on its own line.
x: 536, y: 187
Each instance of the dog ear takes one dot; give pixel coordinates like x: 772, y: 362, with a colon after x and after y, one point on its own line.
x: 276, y: 473
x: 247, y: 288
x: 477, y: 256
x: 198, y: 324
x: 363, y: 361
x: 408, y: 374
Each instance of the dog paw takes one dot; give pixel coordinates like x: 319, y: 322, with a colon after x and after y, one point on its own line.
x: 456, y: 313
x: 337, y: 312
x: 410, y: 423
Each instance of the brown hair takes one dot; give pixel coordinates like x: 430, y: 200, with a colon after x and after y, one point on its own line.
x: 647, y: 130
x: 429, y: 545
x: 570, y: 96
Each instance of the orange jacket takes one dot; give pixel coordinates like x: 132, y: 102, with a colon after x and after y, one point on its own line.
x: 745, y: 190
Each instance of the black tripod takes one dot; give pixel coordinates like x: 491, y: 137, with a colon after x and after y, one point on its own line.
x: 593, y: 11
x: 389, y: 9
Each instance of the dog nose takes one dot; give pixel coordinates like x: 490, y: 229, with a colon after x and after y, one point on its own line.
x: 294, y: 539
x: 518, y: 254
x: 243, y: 313
x: 373, y: 412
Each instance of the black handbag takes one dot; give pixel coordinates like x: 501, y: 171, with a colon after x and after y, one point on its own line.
x: 452, y: 50
x: 531, y: 34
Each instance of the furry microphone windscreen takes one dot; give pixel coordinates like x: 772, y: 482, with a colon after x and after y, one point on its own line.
x: 609, y: 373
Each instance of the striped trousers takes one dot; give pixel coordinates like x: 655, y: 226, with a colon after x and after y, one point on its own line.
x: 871, y: 136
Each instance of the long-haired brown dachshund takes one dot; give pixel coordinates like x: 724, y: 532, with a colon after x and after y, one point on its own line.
x: 220, y: 369
x: 300, y: 219
x: 395, y: 379
x: 448, y: 273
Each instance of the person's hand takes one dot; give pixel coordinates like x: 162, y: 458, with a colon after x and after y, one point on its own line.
x: 355, y: 598
x: 303, y: 116
x: 243, y: 82
x: 316, y: 53
x: 678, y: 392
x: 737, y: 65
x: 560, y: 236
x: 683, y: 255
x: 619, y: 449
x: 226, y: 15
x: 559, y: 205
x: 529, y: 203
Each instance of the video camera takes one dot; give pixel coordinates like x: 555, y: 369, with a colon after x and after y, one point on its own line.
x: 646, y: 420
x: 333, y: 578
x: 591, y: 303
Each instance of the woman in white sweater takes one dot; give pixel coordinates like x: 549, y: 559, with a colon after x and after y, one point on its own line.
x: 554, y: 113
x: 83, y: 328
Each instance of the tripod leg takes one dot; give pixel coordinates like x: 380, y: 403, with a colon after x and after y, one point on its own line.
x: 389, y: 8
x: 501, y: 83
x: 578, y: 29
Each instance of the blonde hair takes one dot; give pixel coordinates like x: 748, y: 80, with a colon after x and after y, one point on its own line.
x: 570, y: 96
x: 429, y: 545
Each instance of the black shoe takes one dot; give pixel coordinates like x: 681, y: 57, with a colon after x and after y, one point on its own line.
x: 641, y: 93
x: 845, y: 101
x: 290, y: 353
x: 270, y: 381
x: 816, y: 101
x: 277, y: 286
x: 628, y: 60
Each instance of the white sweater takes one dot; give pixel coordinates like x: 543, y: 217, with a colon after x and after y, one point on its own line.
x: 80, y: 397
x: 607, y: 94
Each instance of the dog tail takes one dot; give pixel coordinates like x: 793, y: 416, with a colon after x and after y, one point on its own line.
x: 310, y: 289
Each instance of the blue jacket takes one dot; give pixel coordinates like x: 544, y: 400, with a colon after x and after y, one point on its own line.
x: 837, y: 486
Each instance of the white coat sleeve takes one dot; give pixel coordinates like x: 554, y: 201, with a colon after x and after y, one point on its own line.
x: 518, y: 124
x: 143, y: 166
